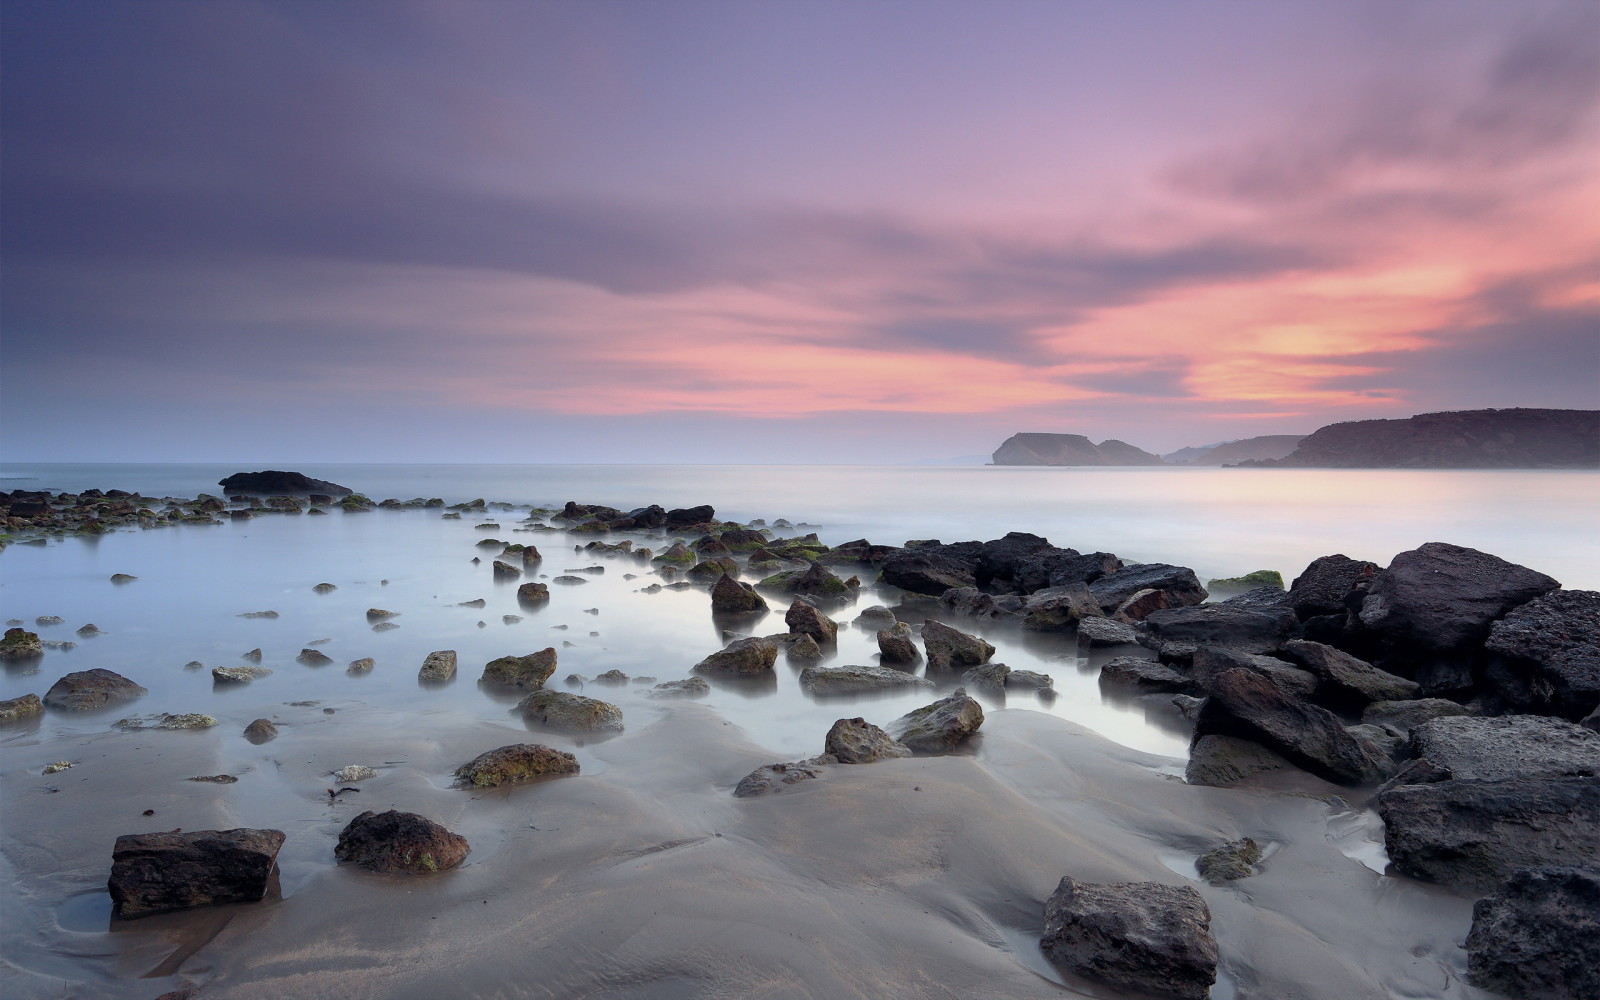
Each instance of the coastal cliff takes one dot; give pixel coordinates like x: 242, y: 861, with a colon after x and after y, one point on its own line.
x: 1069, y: 449
x: 1461, y: 439
x: 1268, y: 446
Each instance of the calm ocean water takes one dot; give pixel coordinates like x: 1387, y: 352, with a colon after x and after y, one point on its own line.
x: 194, y: 582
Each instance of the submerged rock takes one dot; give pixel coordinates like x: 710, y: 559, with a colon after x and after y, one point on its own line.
x: 364, y: 665
x: 1538, y: 936
x: 950, y: 649
x: 84, y: 690
x: 692, y: 687
x: 396, y: 841
x: 260, y: 731
x: 314, y: 658
x: 519, y: 762
x: 237, y: 675
x: 857, y: 679
x: 161, y: 872
x: 772, y: 778
x: 1141, y: 936
x: 533, y: 593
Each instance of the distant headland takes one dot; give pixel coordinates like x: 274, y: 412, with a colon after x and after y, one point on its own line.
x: 1459, y: 439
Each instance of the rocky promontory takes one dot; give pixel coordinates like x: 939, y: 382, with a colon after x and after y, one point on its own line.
x: 1069, y: 449
x: 1460, y: 439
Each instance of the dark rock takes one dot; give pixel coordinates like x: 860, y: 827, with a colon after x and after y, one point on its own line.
x: 527, y: 673
x: 1105, y: 632
x: 505, y: 571
x: 1180, y: 583
x: 1140, y: 936
x: 1059, y: 609
x: 566, y: 712
x: 926, y: 571
x: 1328, y: 584
x: 941, y: 726
x: 1141, y: 604
x: 1544, y: 656
x: 1261, y: 597
x: 397, y: 841
x: 730, y: 597
x: 1221, y: 761
x: 975, y: 603
x: 857, y: 679
x: 1345, y: 683
x: 1518, y: 438
x: 1141, y: 674
x: 857, y: 741
x: 273, y: 482
x: 533, y: 593
x: 1403, y: 715
x: 1513, y: 746
x: 510, y: 765
x: 20, y: 644
x: 1252, y: 707
x: 875, y: 618
x: 684, y: 517
x: 804, y: 619
x: 438, y: 666
x: 653, y: 516
x: 742, y: 658
x: 1210, y: 661
x: 773, y: 777
x: 1036, y: 448
x: 713, y: 569
x: 1053, y: 567
x: 804, y: 648
x: 998, y: 559
x: 1232, y: 861
x: 1247, y: 629
x: 1474, y: 832
x: 260, y: 731
x: 13, y: 709
x: 950, y: 649
x: 161, y: 872
x: 895, y: 645
x: 314, y: 657
x: 89, y: 689
x: 1538, y: 936
x: 1031, y: 680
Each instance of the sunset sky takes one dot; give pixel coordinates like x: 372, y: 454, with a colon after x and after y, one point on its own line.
x: 783, y: 232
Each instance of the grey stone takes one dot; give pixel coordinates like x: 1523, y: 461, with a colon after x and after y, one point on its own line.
x: 857, y: 741
x: 1140, y: 936
x: 1538, y: 936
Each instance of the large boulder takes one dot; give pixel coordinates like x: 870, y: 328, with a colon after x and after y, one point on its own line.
x: 1474, y: 832
x: 160, y: 872
x: 857, y: 679
x: 1247, y: 629
x: 683, y: 517
x: 953, y: 649
x: 730, y: 597
x: 1513, y: 746
x: 857, y: 741
x: 1344, y: 682
x: 805, y: 619
x: 1544, y: 656
x: 83, y: 690
x: 1145, y: 937
x: 514, y: 764
x: 1178, y: 583
x: 571, y: 713
x: 1252, y: 707
x: 752, y: 657
x: 974, y: 602
x: 524, y: 673
x: 1210, y: 661
x: 20, y: 644
x: 926, y: 570
x: 1537, y: 937
x: 1053, y: 567
x: 397, y: 841
x: 1139, y: 674
x: 1331, y: 585
x: 941, y: 726
x: 273, y: 482
x: 998, y: 559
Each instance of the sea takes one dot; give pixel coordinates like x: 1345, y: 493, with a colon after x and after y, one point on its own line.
x: 188, y: 608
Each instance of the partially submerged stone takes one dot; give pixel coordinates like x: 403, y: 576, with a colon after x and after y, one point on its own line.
x: 805, y: 619
x: 237, y: 675
x: 1140, y: 936
x: 730, y: 597
x: 528, y: 672
x: 952, y: 649
x: 691, y: 687
x: 20, y: 644
x: 26, y: 706
x: 567, y: 712
x: 361, y: 666
x: 314, y: 657
x: 161, y: 872
x: 260, y: 731
x: 1234, y: 860
x: 514, y: 764
x: 354, y: 772
x: 750, y: 657
x: 897, y: 645
x: 848, y: 679
x: 771, y: 778
x: 84, y: 690
x: 398, y: 842
x: 857, y: 741
x: 533, y: 593
x: 180, y: 720
x: 941, y: 726
x: 438, y: 666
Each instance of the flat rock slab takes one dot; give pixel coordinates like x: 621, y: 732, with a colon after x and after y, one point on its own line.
x: 1141, y: 936
x: 510, y: 765
x: 161, y: 872
x: 1247, y: 629
x: 397, y: 841
x: 573, y: 713
x: 84, y: 690
x: 1512, y: 746
x: 857, y: 679
x: 1538, y: 936
x: 772, y: 778
x: 1345, y: 682
x: 1474, y: 832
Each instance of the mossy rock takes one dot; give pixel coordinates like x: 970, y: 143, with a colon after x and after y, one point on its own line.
x: 1260, y: 578
x: 515, y: 764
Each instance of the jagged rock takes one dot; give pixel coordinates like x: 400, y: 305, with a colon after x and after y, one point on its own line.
x: 742, y: 658
x: 237, y: 675
x: 273, y: 482
x: 1220, y: 761
x: 803, y: 619
x: 527, y: 673
x: 1544, y: 656
x: 857, y: 741
x: 510, y: 765
x: 20, y: 644
x: 1247, y: 629
x: 1105, y: 632
x: 941, y: 726
x: 1252, y: 707
x: 1538, y: 936
x: 1059, y: 609
x: 1344, y: 682
x: 684, y: 517
x: 692, y: 687
x: 773, y: 778
x: 1053, y: 567
x: 561, y: 710
x: 161, y: 872
x: 438, y: 666
x: 505, y: 571
x: 83, y: 690
x: 926, y: 571
x: 533, y: 593
x: 1140, y: 936
x: 1209, y: 661
x: 999, y: 558
x: 895, y: 645
x: 1179, y: 582
x: 260, y: 731
x: 1404, y: 715
x: 1331, y: 585
x: 950, y: 649
x: 987, y: 677
x: 354, y: 772
x: 24, y: 707
x: 857, y: 679
x: 397, y: 841
x: 804, y: 648
x: 1141, y: 674
x: 975, y: 603
x: 1141, y: 604
x: 1232, y: 861
x: 730, y: 597
x: 1514, y: 746
x: 1474, y: 832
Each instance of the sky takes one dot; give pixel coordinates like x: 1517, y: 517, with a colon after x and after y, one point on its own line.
x: 819, y: 232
